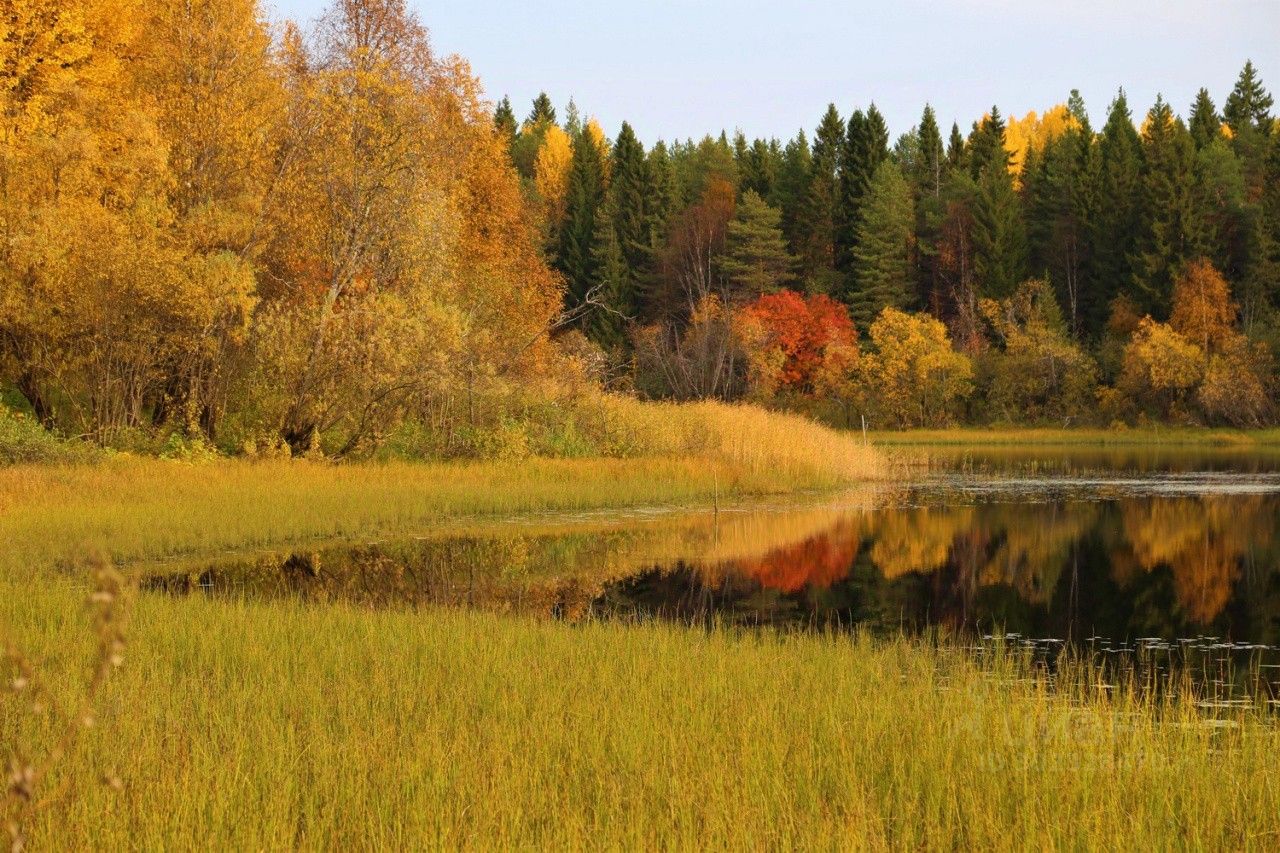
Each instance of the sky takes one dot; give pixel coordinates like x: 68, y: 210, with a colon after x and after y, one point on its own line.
x: 683, y: 68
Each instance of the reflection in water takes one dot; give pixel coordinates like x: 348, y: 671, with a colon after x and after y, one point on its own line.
x: 1120, y: 567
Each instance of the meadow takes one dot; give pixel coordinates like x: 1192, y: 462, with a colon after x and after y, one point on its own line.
x: 274, y: 724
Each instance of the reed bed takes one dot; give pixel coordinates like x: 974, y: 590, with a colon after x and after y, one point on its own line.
x: 145, y: 509
x: 269, y: 726
x: 1083, y: 436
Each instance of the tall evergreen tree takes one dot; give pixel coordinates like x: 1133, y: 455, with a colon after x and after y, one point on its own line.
x: 759, y: 168
x: 866, y: 145
x: 584, y: 195
x: 957, y: 156
x: 504, y: 119
x: 1168, y: 232
x: 572, y: 120
x: 986, y: 144
x: 605, y: 322
x: 756, y: 259
x: 931, y: 164
x: 817, y: 256
x: 882, y: 253
x: 1114, y: 227
x: 999, y: 233
x: 543, y: 111
x: 631, y: 197
x: 791, y: 190
x: 1205, y: 125
x: 1248, y: 107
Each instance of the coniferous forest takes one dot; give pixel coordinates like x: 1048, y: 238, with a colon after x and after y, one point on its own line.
x: 1059, y: 268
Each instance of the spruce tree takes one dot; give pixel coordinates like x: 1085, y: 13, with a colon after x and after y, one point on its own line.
x: 866, y: 145
x: 957, y: 156
x: 1169, y: 232
x: 504, y: 119
x: 572, y: 120
x: 1114, y: 227
x: 999, y: 233
x: 1248, y: 107
x: 584, y: 195
x: 1059, y: 192
x: 759, y: 168
x: 882, y: 254
x: 986, y: 144
x: 542, y: 111
x: 1205, y: 125
x: 605, y: 322
x: 756, y: 259
x: 931, y: 164
x: 630, y: 197
x: 817, y: 256
x: 791, y: 190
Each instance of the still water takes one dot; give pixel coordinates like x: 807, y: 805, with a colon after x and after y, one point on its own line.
x: 1116, y: 549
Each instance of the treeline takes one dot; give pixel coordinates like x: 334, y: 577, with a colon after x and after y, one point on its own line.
x: 1029, y: 270
x: 280, y: 240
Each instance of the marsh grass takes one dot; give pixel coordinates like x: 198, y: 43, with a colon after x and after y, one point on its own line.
x: 267, y: 726
x: 661, y: 454
x: 1083, y: 436
x: 32, y: 695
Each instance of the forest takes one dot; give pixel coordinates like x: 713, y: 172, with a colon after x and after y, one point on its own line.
x: 219, y: 232
x: 1032, y: 270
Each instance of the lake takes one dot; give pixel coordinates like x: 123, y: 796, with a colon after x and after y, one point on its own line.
x: 1126, y: 546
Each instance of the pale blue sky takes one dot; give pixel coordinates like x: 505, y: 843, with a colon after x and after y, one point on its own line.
x: 677, y: 69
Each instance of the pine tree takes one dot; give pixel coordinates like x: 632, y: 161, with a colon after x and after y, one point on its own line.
x: 583, y: 199
x: 1169, y: 232
x: 866, y: 145
x: 791, y: 190
x: 817, y: 256
x: 759, y: 168
x: 1114, y: 228
x: 1248, y: 107
x: 882, y: 255
x: 999, y: 233
x: 1205, y: 124
x: 756, y: 259
x: 957, y: 156
x: 931, y: 165
x: 542, y: 112
x: 986, y: 144
x: 1059, y: 189
x: 631, y: 196
x: 605, y: 322
x: 572, y: 120
x: 931, y: 170
x: 504, y: 119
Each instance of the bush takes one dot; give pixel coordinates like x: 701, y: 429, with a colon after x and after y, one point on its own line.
x: 23, y: 440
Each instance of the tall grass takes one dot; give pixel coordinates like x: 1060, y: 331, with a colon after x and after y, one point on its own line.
x: 1155, y: 435
x: 270, y: 726
x: 138, y: 509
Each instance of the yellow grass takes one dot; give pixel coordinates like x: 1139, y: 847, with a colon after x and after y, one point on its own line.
x: 273, y: 726
x: 139, y: 509
x: 1171, y: 436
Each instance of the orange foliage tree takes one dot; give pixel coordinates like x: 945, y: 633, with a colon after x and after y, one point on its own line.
x: 796, y: 337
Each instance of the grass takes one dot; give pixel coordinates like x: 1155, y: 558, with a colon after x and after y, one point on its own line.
x: 270, y: 726
x: 135, y: 509
x: 1145, y: 436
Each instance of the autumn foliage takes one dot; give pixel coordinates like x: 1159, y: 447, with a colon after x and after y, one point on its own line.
x: 796, y: 335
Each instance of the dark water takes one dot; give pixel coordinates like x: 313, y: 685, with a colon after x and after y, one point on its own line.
x: 1164, y: 553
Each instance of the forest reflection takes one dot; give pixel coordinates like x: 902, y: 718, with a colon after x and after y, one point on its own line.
x: 1145, y: 566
